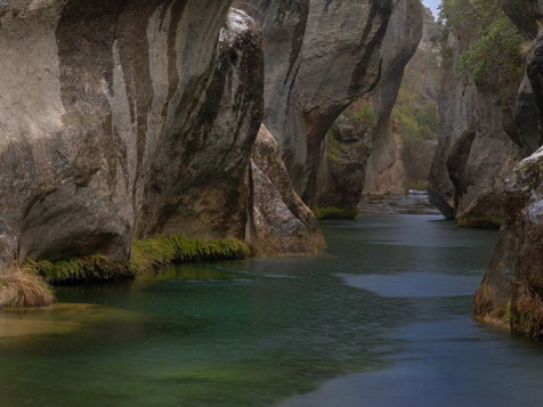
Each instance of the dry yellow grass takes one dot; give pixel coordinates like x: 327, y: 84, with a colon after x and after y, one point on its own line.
x: 23, y: 289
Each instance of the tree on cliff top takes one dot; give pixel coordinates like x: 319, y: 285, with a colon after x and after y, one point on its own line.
x: 492, y: 54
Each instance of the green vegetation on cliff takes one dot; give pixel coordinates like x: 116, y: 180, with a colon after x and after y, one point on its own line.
x: 416, y: 115
x: 493, y: 51
x: 147, y: 256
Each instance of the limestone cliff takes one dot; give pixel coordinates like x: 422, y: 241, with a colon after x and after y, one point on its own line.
x: 320, y: 56
x: 511, y: 290
x: 343, y: 169
x: 476, y: 150
x: 121, y: 119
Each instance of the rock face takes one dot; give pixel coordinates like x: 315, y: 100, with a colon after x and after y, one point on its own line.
x: 511, y: 291
x: 348, y: 146
x: 280, y: 223
x: 139, y: 119
x: 376, y: 158
x: 393, y: 167
x: 386, y: 173
x: 512, y: 285
x: 476, y: 149
x: 310, y: 77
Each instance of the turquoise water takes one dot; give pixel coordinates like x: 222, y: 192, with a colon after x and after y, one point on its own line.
x: 380, y: 319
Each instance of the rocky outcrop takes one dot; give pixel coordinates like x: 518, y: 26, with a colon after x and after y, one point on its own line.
x: 280, y: 223
x: 512, y: 289
x: 393, y: 167
x: 310, y: 77
x: 348, y: 146
x: 477, y: 125
x: 343, y: 170
x: 122, y: 119
x: 511, y: 292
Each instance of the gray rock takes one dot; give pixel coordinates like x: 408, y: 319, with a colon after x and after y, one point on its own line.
x: 310, y: 77
x: 342, y: 172
x: 280, y: 223
x: 511, y: 290
x: 488, y: 114
x: 139, y: 119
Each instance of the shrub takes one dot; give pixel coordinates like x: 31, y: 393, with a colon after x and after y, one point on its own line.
x: 493, y: 51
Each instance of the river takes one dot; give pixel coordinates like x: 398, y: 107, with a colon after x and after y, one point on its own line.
x: 382, y: 318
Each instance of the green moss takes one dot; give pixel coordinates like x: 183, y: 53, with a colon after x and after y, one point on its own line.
x: 147, y: 256
x: 151, y: 254
x: 479, y: 223
x: 81, y: 270
x: 335, y: 213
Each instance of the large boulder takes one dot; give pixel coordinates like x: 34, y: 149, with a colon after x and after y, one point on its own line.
x: 280, y: 223
x: 511, y: 292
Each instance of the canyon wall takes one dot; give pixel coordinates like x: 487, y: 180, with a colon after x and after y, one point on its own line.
x: 311, y: 77
x: 511, y: 292
x: 478, y: 141
x: 391, y: 166
x: 121, y: 119
x: 364, y: 133
x: 124, y: 120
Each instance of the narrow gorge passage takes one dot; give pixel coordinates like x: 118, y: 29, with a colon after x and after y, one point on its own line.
x: 382, y: 318
x: 286, y: 203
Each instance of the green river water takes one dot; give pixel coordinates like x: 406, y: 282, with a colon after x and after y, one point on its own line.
x: 382, y: 318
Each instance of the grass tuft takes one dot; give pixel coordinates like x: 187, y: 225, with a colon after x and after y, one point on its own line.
x: 23, y: 288
x: 335, y: 213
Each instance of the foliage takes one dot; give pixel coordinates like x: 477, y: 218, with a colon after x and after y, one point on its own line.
x: 151, y: 254
x: 147, y: 256
x: 415, y: 112
x: 493, y: 43
x: 362, y: 113
x: 87, y: 269
x: 335, y: 213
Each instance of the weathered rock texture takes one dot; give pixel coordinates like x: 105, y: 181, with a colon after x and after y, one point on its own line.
x: 386, y: 173
x: 348, y: 147
x: 476, y: 149
x: 511, y: 292
x: 123, y: 118
x: 280, y: 223
x: 343, y: 170
x: 320, y: 56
